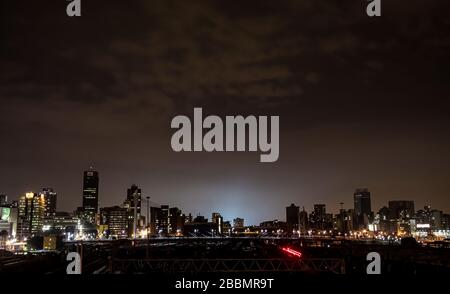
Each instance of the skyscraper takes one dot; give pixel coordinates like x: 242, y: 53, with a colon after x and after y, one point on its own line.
x: 176, y: 220
x: 134, y: 192
x: 31, y: 213
x: 159, y: 219
x: 50, y: 197
x: 25, y: 213
x: 362, y: 206
x: 218, y: 220
x: 318, y: 216
x: 292, y: 214
x: 3, y: 199
x: 361, y: 198
x: 133, y: 205
x: 164, y: 218
x: 90, y: 194
x: 303, y: 218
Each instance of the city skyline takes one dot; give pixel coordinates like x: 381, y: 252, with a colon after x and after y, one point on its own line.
x: 211, y: 144
x: 228, y: 217
x: 362, y: 102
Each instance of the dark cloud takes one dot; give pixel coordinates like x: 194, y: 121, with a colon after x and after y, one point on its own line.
x: 357, y: 96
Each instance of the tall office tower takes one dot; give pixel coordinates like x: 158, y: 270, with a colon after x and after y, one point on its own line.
x: 90, y: 195
x: 436, y: 219
x: 159, y: 219
x: 318, y: 216
x: 133, y: 205
x: 361, y: 199
x: 25, y: 213
x: 31, y: 213
x: 292, y: 215
x: 134, y: 192
x: 176, y: 220
x: 50, y: 197
x: 115, y: 218
x: 362, y: 206
x: 218, y: 220
x: 446, y: 221
x: 154, y: 219
x: 164, y: 219
x: 382, y: 219
x: 38, y: 214
x: 303, y: 218
x: 3, y: 199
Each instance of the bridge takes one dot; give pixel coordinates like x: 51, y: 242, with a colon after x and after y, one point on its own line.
x: 312, y: 265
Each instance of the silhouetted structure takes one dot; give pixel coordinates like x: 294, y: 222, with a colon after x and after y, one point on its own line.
x: 362, y: 206
x: 50, y: 201
x: 292, y: 216
x: 90, y: 195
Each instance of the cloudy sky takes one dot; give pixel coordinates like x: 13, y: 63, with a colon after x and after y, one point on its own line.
x: 363, y: 102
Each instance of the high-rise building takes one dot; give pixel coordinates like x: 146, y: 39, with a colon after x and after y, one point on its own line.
x: 318, y: 216
x: 382, y: 219
x: 292, y: 215
x: 31, y: 213
x: 133, y: 205
x: 50, y: 197
x: 37, y: 214
x: 159, y: 219
x: 362, y: 206
x: 134, y: 193
x: 116, y: 220
x: 25, y: 214
x: 3, y: 199
x: 164, y: 218
x: 90, y: 194
x: 339, y: 223
x: 303, y: 218
x: 436, y: 219
x: 176, y: 220
x: 218, y: 220
x: 361, y: 199
x: 446, y: 221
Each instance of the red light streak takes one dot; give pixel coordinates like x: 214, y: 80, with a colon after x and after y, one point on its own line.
x: 291, y: 251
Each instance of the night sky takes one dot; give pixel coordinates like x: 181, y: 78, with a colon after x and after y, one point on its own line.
x: 363, y: 102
